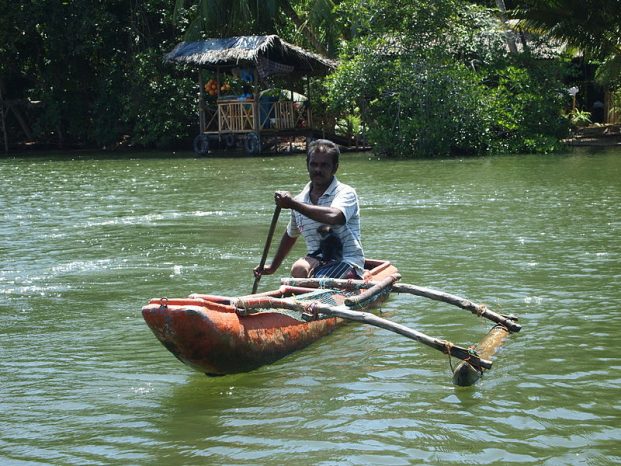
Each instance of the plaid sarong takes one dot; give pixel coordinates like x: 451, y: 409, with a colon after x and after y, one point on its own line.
x: 335, y: 270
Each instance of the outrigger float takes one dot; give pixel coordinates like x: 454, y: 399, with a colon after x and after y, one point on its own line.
x: 221, y: 335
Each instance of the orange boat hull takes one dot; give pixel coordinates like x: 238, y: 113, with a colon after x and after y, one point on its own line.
x: 207, y: 333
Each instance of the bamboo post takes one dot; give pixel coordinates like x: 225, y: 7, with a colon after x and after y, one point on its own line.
x: 201, y: 102
x: 465, y: 374
x: 310, y: 124
x: 2, y: 115
x: 218, y: 99
x: 255, y: 104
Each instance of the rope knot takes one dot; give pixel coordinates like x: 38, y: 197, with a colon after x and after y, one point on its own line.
x: 310, y: 312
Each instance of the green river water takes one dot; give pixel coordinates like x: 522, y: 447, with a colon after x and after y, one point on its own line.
x: 86, y: 241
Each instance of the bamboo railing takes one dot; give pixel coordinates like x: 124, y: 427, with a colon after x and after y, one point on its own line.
x: 238, y: 116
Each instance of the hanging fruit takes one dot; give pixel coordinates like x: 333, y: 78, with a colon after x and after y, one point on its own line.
x: 211, y: 87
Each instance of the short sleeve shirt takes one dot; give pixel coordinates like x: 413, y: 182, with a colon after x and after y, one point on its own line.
x: 344, y: 198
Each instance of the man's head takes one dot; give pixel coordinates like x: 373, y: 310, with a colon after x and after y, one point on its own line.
x: 322, y: 161
x: 324, y: 146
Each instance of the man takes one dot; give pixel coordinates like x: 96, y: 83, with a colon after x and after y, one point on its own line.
x: 325, y: 208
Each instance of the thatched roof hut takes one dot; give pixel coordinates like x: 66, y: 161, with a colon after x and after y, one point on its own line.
x: 269, y: 55
x: 251, y: 118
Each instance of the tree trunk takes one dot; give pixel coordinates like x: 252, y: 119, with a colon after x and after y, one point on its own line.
x: 2, y: 115
x: 508, y: 35
x: 22, y: 121
x: 61, y: 138
x: 306, y: 30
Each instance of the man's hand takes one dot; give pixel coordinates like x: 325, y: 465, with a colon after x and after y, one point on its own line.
x: 283, y: 199
x: 266, y: 270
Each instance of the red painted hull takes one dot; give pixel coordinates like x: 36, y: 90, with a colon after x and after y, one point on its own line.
x: 206, y: 333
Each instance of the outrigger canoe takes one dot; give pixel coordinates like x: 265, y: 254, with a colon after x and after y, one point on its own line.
x: 221, y: 335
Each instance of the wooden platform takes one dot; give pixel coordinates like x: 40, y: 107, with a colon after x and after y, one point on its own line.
x: 264, y: 126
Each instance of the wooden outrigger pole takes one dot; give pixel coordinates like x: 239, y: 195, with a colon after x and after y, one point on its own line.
x: 317, y: 310
x: 475, y: 360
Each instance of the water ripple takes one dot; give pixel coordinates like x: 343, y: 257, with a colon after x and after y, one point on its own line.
x: 86, y: 242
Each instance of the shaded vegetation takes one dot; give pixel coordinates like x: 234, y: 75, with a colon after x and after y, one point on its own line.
x: 437, y: 79
x: 425, y: 78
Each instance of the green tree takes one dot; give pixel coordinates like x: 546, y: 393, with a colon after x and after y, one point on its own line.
x: 436, y: 79
x: 313, y: 20
x: 20, y: 52
x: 593, y: 26
x: 96, y: 70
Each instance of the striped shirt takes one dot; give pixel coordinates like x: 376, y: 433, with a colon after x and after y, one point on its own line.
x: 344, y: 198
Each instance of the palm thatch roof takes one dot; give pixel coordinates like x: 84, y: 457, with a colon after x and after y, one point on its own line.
x: 268, y: 54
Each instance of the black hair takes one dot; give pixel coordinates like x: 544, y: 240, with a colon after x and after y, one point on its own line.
x: 324, y: 146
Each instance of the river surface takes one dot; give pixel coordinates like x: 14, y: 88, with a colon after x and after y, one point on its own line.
x: 86, y: 241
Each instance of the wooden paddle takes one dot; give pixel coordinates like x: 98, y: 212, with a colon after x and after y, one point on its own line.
x: 266, y: 249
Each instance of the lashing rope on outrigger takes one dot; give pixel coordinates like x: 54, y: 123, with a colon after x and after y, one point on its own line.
x: 472, y: 352
x: 306, y: 300
x: 304, y: 304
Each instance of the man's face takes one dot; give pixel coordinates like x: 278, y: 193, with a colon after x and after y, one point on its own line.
x: 320, y: 169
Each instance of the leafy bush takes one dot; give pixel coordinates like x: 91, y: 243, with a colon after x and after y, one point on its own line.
x: 429, y: 110
x: 424, y: 97
x: 526, y: 100
x: 579, y: 118
x: 161, y: 106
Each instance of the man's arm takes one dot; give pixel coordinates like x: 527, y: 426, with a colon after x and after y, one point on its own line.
x: 322, y: 214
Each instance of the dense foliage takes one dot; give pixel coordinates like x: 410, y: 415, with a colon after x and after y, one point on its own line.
x: 82, y: 73
x: 593, y: 26
x: 425, y: 78
x: 436, y: 79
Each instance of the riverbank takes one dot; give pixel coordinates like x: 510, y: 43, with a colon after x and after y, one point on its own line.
x: 596, y: 136
x: 591, y: 136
